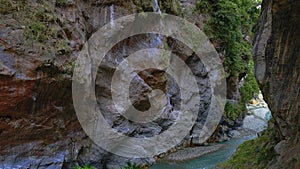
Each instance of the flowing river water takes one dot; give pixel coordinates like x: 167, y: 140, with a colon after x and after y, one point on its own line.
x: 256, y: 121
x: 207, y: 161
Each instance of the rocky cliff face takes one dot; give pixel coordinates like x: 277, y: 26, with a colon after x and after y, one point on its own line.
x: 277, y: 61
x: 39, y: 42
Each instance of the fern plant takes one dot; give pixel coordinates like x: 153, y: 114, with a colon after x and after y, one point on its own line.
x: 130, y: 166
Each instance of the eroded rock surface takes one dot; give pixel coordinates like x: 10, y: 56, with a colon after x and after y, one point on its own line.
x: 277, y: 60
x: 39, y: 42
x: 38, y: 124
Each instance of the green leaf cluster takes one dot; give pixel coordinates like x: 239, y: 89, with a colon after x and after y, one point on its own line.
x: 231, y: 26
x: 250, y: 86
x: 61, y: 3
x: 39, y: 22
x: 233, y: 110
x: 84, y: 167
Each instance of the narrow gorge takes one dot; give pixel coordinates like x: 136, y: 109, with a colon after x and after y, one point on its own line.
x: 257, y: 43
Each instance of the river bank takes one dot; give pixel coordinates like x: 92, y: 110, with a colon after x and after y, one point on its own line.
x: 191, y: 153
x: 208, y: 161
x: 211, y: 155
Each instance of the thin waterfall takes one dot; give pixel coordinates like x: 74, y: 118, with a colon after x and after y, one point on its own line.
x: 111, y: 14
x: 156, y: 6
x: 169, y: 100
x: 157, y: 39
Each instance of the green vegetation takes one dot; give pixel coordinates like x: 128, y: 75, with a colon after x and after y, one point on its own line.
x: 230, y: 27
x: 231, y: 22
x: 233, y: 110
x: 84, y: 167
x: 250, y: 86
x: 40, y: 24
x: 34, y: 19
x: 166, y: 6
x: 62, y: 46
x: 60, y: 3
x: 6, y: 6
x: 203, y: 6
x: 266, y: 86
x: 253, y: 153
x: 171, y: 7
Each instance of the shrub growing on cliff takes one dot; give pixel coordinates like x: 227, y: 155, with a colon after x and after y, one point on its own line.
x: 60, y: 3
x: 233, y: 110
x: 230, y: 24
x: 6, y: 6
x: 38, y: 22
x: 41, y: 26
x: 84, y: 167
x: 230, y: 27
x: 250, y: 86
x: 130, y: 166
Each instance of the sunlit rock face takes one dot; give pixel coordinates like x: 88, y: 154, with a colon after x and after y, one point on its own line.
x: 277, y: 61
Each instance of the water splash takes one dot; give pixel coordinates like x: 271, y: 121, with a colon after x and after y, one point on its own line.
x: 156, y: 39
x: 111, y: 15
x: 156, y: 7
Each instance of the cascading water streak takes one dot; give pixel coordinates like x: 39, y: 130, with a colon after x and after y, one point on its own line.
x: 111, y: 15
x: 156, y: 6
x: 156, y: 39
